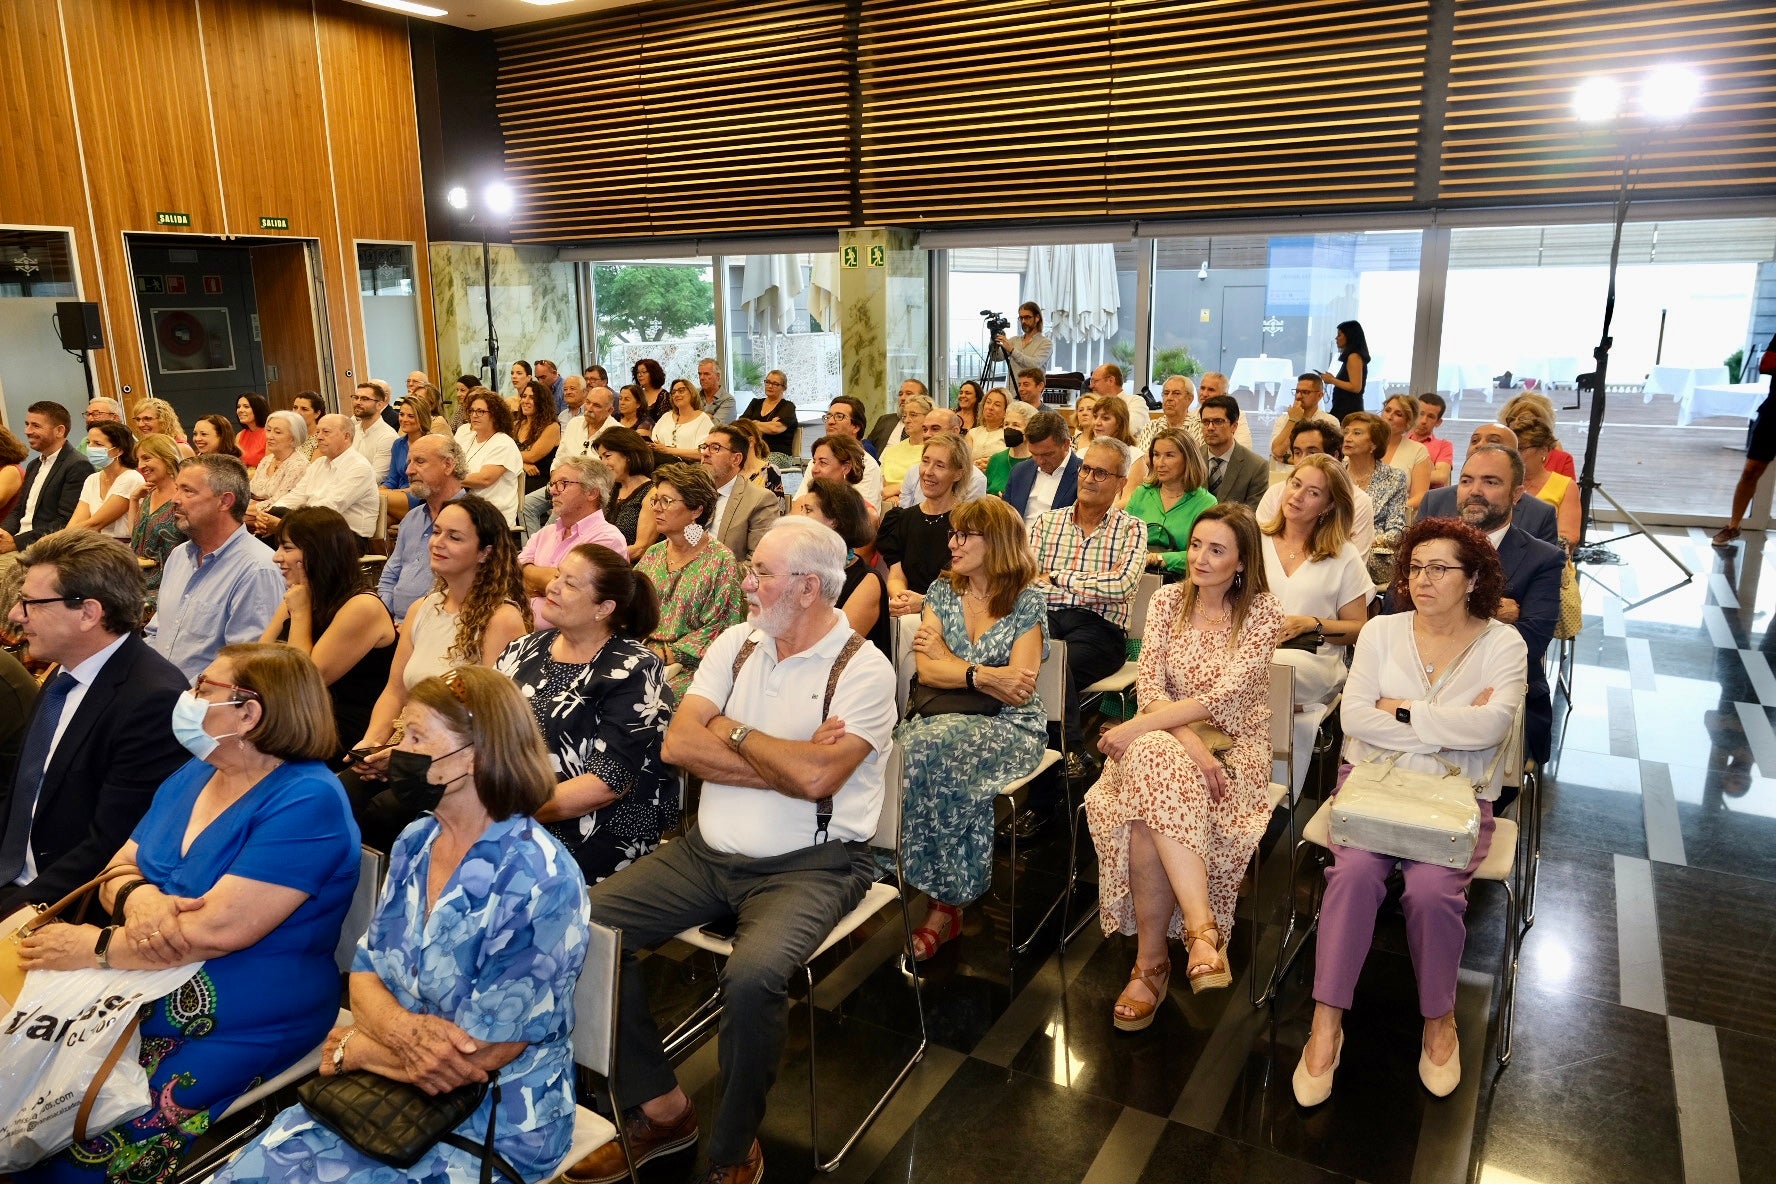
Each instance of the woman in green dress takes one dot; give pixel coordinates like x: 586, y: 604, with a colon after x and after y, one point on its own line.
x: 697, y: 577
x: 1170, y: 499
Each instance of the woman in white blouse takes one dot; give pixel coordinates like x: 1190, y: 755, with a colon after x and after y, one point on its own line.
x: 285, y: 434
x: 1317, y: 573
x: 1439, y: 681
x: 107, y: 500
x: 987, y: 439
x: 496, y: 466
x: 678, y: 432
x: 1405, y: 453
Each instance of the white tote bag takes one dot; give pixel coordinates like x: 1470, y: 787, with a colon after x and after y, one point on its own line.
x: 68, y: 1030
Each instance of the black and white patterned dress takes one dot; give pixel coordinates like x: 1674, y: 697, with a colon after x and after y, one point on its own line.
x: 607, y: 717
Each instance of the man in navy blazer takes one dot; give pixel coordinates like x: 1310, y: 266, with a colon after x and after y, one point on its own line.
x: 1051, y: 459
x: 62, y: 820
x: 53, y: 481
x: 1532, y: 515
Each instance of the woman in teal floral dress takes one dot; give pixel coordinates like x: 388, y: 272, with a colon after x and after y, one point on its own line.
x: 156, y: 534
x: 985, y: 627
x: 698, y: 579
x: 476, y: 943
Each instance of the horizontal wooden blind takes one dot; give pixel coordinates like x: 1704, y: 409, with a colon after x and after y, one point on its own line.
x: 694, y: 118
x: 975, y: 110
x: 1510, y: 133
x: 1242, y: 105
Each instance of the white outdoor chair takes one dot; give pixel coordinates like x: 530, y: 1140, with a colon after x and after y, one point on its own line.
x: 596, y: 1000
x: 1122, y: 683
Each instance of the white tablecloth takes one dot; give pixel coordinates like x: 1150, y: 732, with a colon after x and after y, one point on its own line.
x: 1249, y: 372
x: 1679, y: 381
x: 1739, y: 400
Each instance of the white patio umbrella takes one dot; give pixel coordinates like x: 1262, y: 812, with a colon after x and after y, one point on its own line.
x: 823, y: 290
x: 768, y: 290
x: 1043, y: 284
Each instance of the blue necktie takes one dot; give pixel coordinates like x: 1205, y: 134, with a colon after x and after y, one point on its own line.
x: 32, y: 764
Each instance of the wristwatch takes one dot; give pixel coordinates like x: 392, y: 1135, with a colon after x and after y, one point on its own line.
x: 102, y: 947
x: 1402, y: 714
x: 738, y: 736
x: 339, y: 1050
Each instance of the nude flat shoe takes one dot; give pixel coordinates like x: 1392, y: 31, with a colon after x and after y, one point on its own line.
x: 1311, y: 1090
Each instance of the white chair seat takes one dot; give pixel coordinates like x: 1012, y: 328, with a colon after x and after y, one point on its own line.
x: 308, y: 1066
x: 1115, y: 684
x: 591, y: 1131
x: 1318, y: 830
x: 1277, y: 794
x: 1050, y: 758
x: 874, y: 899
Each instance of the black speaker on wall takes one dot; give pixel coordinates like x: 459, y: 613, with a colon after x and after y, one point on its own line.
x: 78, y: 321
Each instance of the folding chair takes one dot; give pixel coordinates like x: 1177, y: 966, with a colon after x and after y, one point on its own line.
x: 905, y: 662
x: 596, y: 999
x: 1122, y: 683
x: 878, y: 896
x: 372, y: 865
x: 1051, y: 685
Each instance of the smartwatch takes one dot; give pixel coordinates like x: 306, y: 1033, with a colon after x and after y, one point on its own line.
x: 1402, y: 714
x: 738, y: 736
x: 102, y: 947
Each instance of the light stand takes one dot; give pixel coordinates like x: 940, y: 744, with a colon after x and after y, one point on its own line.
x: 496, y: 201
x: 1596, y: 382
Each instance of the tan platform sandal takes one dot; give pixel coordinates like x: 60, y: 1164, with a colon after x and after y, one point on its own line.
x: 1207, y: 976
x: 1158, y: 979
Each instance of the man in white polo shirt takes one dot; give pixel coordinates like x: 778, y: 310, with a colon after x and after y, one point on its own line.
x: 788, y: 722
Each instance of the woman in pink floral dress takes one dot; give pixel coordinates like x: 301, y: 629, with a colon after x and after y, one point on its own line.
x: 1175, y: 825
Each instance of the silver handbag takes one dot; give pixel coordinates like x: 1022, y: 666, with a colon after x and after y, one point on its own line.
x: 1424, y: 817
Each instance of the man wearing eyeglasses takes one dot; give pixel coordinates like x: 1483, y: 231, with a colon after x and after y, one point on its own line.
x: 580, y: 487
x: 1236, y: 473
x: 1314, y: 437
x: 1089, y: 559
x: 579, y: 437
x: 1310, y: 388
x: 98, y: 742
x: 743, y: 510
x: 846, y: 418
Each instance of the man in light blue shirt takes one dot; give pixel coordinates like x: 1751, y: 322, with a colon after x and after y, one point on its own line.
x: 221, y: 587
x: 435, y: 469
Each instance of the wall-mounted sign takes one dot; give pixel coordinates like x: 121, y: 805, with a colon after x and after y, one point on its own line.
x: 848, y: 256
x: 266, y: 223
x: 1203, y: 316
x: 175, y: 285
x: 150, y: 285
x: 172, y: 218
x: 878, y: 256
x: 212, y: 285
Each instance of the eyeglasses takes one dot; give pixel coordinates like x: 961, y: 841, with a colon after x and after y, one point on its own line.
x: 707, y: 446
x: 69, y: 601
x: 1434, y: 572
x: 962, y: 536
x: 662, y: 502
x: 244, y: 694
x: 559, y: 486
x: 838, y: 417
x: 758, y: 575
x: 479, y: 411
x: 1308, y: 390
x: 1093, y: 473
x: 773, y: 382
x: 1219, y: 421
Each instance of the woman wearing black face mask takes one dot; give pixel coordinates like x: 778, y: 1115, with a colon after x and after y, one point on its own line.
x: 1017, y: 417
x: 469, y: 965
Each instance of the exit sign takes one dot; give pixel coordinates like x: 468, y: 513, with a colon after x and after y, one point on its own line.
x: 266, y: 223
x: 170, y: 218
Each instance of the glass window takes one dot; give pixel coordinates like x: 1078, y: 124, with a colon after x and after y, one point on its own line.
x: 391, y: 310
x: 385, y: 269
x: 782, y: 314
x: 36, y: 263
x: 660, y: 310
x: 1523, y: 312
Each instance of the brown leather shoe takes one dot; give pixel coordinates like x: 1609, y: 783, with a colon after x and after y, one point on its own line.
x: 751, y: 1171
x: 648, y: 1139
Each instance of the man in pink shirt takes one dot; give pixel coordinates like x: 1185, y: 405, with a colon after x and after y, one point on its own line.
x: 580, y: 487
x: 1430, y: 418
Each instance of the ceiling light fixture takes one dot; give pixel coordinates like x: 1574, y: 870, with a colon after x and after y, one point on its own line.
x: 408, y: 6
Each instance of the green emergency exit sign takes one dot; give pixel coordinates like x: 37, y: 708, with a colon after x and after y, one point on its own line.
x: 267, y: 223
x: 172, y: 218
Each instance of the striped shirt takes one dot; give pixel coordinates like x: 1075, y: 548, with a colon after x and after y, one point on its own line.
x: 1098, y: 572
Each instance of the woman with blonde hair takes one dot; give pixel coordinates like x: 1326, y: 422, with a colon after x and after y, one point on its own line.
x: 1171, y: 497
x: 914, y: 542
x: 1085, y: 421
x: 1183, y: 797
x: 156, y: 533
x: 1530, y: 405
x: 1317, y: 574
x: 1535, y: 444
x: 1400, y: 412
x: 157, y: 417
x: 684, y: 426
x: 974, y: 720
x: 987, y: 437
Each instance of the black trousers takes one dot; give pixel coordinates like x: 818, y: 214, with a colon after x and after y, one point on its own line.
x: 1095, y: 649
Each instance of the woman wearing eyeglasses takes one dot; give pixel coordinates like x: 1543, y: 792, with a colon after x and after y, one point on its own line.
x: 698, y: 578
x: 985, y: 631
x: 246, y: 861
x: 494, y: 461
x: 1438, y: 680
x: 680, y: 430
x: 775, y: 415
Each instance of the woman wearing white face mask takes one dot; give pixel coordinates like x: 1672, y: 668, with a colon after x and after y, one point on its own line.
x: 107, y: 500
x: 246, y: 861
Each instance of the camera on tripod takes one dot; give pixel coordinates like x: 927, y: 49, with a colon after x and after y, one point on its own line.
x: 997, y: 323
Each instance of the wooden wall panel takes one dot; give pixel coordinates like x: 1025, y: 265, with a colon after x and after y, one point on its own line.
x: 286, y: 313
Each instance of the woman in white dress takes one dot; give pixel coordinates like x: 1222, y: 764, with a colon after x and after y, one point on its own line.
x: 496, y: 466
x: 678, y: 432
x: 1318, y: 574
x: 108, y: 499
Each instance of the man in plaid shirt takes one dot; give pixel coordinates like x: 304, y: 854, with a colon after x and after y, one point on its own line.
x: 1090, y: 556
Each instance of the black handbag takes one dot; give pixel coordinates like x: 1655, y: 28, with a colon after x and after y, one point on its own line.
x: 924, y: 701
x: 396, y: 1123
x: 1312, y: 640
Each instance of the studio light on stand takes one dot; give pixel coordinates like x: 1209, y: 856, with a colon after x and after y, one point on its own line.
x: 1667, y: 95
x: 496, y: 205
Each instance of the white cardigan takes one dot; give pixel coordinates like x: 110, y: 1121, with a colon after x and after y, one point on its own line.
x: 1387, y: 666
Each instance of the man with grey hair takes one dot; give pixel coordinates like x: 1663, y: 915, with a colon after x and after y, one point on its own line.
x: 716, y: 400
x: 578, y: 438
x: 1089, y: 560
x: 220, y: 587
x: 788, y: 723
x: 573, y: 398
x: 436, y: 467
x: 581, y: 488
x: 102, y: 410
x: 338, y: 478
x: 935, y: 423
x: 890, y: 430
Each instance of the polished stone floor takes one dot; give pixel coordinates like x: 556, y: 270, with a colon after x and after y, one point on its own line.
x: 1646, y: 1022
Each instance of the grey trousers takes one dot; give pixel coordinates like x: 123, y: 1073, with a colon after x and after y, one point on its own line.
x: 786, y: 906
x: 534, y: 514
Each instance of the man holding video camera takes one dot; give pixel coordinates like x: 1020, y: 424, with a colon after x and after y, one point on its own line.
x: 1031, y: 350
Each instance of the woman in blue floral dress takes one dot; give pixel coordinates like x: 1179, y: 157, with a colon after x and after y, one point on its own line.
x: 599, y: 695
x: 985, y: 627
x: 470, y: 963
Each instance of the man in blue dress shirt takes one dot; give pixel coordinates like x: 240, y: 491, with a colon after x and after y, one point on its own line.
x: 435, y: 469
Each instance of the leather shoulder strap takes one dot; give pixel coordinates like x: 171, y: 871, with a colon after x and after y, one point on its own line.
x: 105, y: 1066
x: 740, y: 658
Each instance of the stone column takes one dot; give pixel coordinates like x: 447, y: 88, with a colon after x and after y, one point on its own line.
x: 884, y: 318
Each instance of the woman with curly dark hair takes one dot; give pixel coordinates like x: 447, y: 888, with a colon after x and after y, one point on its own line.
x: 1437, y: 683
x: 476, y: 609
x: 650, y: 381
x: 538, y: 433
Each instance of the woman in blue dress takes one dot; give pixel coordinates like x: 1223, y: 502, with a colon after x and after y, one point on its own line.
x: 470, y: 963
x: 246, y: 861
x: 985, y: 628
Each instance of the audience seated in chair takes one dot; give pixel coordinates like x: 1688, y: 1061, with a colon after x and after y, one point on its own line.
x: 1318, y: 438
x: 864, y: 598
x: 914, y: 542
x: 580, y: 488
x: 435, y: 469
x: 697, y: 577
x: 338, y: 478
x: 1316, y: 575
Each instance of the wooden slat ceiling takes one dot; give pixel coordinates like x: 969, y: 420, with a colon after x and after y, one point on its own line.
x: 1510, y: 133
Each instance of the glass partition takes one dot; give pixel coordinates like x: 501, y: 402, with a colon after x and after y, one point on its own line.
x: 663, y: 310
x: 782, y: 314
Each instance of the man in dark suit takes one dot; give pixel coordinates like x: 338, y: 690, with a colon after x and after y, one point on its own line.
x: 52, y: 481
x: 1236, y: 473
x: 888, y: 429
x: 100, y: 739
x: 1050, y: 472
x: 1531, y: 515
x: 1491, y: 480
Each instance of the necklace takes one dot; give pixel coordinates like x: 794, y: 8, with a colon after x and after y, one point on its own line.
x: 1226, y: 611
x: 971, y: 592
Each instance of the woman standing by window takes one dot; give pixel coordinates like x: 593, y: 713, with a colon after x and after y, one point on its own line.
x: 1353, y: 370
